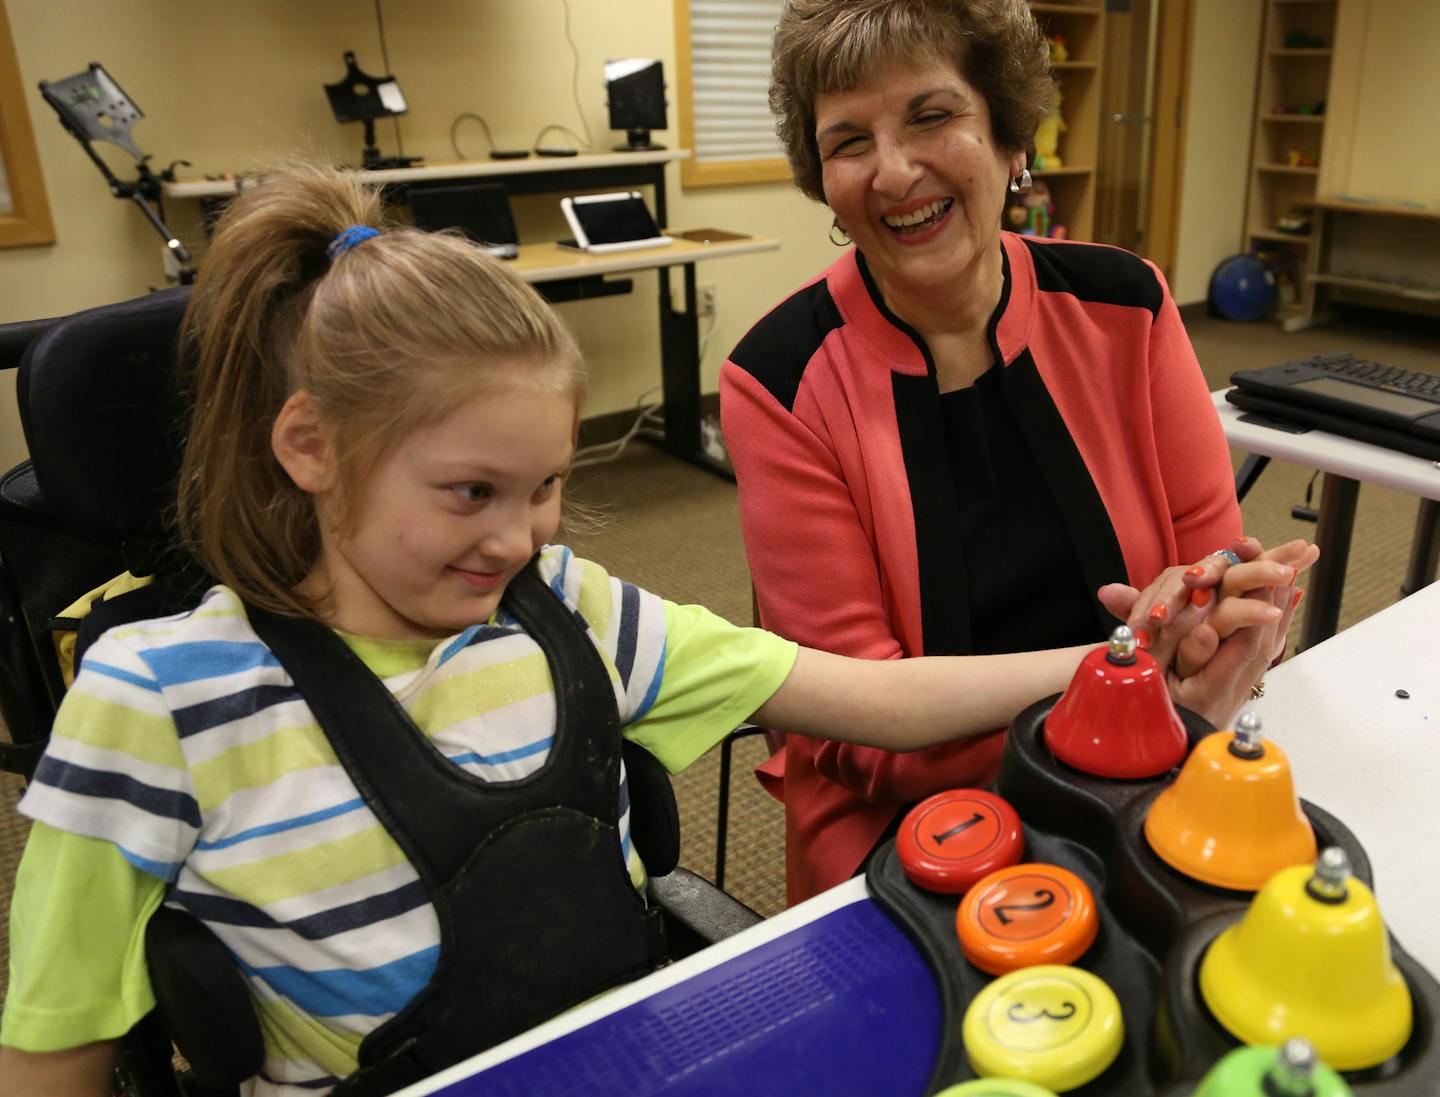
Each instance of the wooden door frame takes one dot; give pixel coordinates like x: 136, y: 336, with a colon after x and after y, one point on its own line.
x: 28, y: 223
x: 1173, y: 37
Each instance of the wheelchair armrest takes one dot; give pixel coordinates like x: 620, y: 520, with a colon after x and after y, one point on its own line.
x: 697, y: 913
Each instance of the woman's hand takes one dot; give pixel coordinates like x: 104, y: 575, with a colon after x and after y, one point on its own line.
x: 1199, y: 646
x: 1217, y: 625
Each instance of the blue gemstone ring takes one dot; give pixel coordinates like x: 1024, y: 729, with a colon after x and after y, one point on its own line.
x: 1226, y: 554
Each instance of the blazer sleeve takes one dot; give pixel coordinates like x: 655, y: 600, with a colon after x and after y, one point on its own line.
x: 816, y: 577
x: 1190, y: 442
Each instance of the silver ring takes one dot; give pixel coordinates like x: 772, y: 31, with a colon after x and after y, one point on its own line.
x: 1233, y: 557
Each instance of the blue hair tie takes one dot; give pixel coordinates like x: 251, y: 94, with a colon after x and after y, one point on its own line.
x: 355, y: 234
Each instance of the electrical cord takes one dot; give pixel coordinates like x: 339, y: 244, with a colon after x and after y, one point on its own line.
x: 385, y: 60
x: 455, y: 125
x: 607, y: 451
x: 589, y: 141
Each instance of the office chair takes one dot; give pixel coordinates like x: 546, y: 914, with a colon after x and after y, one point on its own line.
x: 102, y: 415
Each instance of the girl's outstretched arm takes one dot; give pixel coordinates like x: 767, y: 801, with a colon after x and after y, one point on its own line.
x: 909, y: 704
x: 75, y: 1072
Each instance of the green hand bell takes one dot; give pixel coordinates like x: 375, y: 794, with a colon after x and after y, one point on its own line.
x: 1292, y: 1070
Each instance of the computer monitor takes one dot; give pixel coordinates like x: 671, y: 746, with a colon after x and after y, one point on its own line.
x: 480, y: 210
x: 635, y: 90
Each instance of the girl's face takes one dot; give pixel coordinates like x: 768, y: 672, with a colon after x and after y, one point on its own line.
x: 448, y: 518
x: 913, y: 174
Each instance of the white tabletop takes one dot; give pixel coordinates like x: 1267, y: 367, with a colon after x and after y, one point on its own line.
x: 1331, y: 453
x: 549, y: 262
x: 459, y: 169
x: 1370, y: 758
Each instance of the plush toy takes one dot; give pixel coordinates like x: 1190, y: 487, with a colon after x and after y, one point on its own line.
x: 1032, y: 214
x: 1047, y: 139
x: 1059, y: 54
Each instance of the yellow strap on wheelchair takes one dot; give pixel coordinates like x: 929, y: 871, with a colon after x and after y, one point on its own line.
x: 65, y: 624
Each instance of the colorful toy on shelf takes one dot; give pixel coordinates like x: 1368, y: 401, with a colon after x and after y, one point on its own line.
x: 1291, y: 1070
x: 1047, y: 139
x: 1311, y: 957
x: 1232, y: 818
x: 1297, y: 159
x: 1296, y: 222
x: 1059, y: 52
x: 1033, y: 214
x: 1116, y: 718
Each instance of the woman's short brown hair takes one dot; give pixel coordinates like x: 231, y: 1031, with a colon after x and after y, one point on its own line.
x: 835, y: 45
x: 387, y: 336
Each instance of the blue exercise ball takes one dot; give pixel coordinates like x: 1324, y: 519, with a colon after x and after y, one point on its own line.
x: 1242, y: 288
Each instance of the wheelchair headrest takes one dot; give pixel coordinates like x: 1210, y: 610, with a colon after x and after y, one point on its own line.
x: 103, y: 418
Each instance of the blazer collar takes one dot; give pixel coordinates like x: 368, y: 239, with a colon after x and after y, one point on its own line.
x: 900, y: 346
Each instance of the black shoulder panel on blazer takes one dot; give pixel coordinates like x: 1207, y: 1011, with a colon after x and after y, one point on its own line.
x: 1095, y: 272
x: 776, y: 350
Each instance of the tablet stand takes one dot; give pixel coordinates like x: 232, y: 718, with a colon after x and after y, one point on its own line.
x: 360, y: 97
x: 93, y: 107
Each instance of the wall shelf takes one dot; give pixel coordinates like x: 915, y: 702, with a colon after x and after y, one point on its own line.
x: 1278, y: 188
x: 1072, y: 186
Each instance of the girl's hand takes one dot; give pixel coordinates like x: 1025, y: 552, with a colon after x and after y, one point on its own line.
x: 1217, y: 625
x: 1198, y: 647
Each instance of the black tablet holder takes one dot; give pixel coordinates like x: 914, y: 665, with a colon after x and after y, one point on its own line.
x: 360, y: 97
x: 93, y: 107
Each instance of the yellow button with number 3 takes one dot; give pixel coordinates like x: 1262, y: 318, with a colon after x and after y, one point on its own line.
x: 1052, y: 1025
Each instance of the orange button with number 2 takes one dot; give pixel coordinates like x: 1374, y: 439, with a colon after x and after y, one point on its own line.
x: 1025, y: 915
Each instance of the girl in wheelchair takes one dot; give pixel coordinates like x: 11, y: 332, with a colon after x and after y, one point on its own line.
x: 382, y: 423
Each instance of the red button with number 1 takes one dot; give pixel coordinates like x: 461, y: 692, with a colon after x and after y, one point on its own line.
x: 954, y: 838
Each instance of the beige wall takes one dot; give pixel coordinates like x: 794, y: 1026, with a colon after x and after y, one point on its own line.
x: 230, y: 86
x: 1224, y: 64
x: 1394, y: 154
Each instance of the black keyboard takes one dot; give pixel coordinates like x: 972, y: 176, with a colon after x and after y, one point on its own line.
x: 1377, y: 375
x: 1386, y: 405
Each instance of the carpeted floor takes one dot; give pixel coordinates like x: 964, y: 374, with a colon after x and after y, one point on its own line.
x: 674, y: 529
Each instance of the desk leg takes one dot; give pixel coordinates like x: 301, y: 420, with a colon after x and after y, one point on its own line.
x: 1327, y: 577
x: 1424, y: 549
x: 680, y: 373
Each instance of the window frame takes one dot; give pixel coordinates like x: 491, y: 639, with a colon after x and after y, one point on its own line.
x: 712, y: 173
x: 28, y: 224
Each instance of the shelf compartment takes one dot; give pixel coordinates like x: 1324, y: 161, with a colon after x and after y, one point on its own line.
x: 1287, y: 169
x: 1372, y: 285
x: 1277, y: 237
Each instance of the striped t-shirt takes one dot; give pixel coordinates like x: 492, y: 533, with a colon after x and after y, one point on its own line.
x: 185, y: 744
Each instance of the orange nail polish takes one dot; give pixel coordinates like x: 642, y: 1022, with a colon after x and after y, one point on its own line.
x: 1200, y: 598
x: 1142, y: 637
x: 1196, y: 570
x: 1159, y: 612
x: 1297, y: 598
x: 1294, y: 573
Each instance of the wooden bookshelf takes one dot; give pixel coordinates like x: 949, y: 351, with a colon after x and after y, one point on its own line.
x: 1072, y: 186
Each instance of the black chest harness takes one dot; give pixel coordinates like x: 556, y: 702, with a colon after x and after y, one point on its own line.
x: 536, y: 908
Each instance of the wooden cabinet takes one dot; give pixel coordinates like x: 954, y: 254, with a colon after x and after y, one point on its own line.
x: 1291, y: 109
x: 1081, y: 23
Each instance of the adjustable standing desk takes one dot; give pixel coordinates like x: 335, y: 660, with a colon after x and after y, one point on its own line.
x: 1345, y: 462
x: 831, y: 997
x: 567, y: 275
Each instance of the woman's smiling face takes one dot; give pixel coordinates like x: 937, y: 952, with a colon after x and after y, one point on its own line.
x: 912, y: 172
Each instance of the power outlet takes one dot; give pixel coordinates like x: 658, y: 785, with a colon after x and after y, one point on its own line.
x: 705, y: 300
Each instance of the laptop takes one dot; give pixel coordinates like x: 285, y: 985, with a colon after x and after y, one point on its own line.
x: 480, y: 210
x: 619, y: 221
x: 1385, y: 405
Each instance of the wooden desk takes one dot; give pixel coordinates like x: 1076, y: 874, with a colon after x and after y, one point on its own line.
x: 1346, y: 462
x: 564, y: 274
